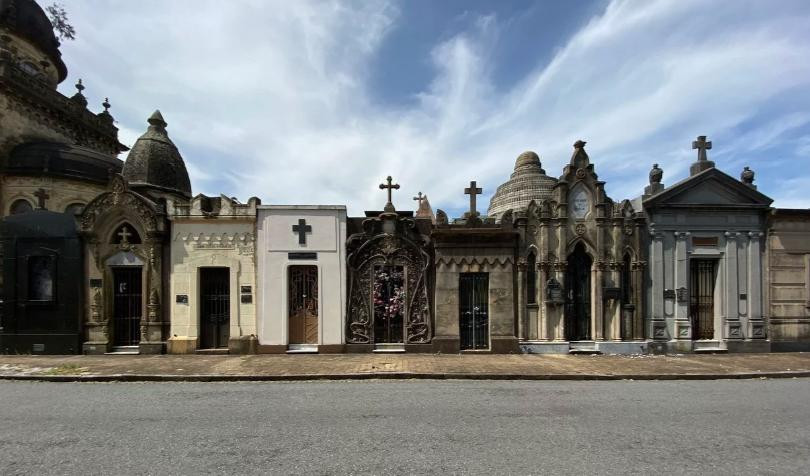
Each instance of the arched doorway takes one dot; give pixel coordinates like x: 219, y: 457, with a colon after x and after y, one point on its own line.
x: 578, y: 295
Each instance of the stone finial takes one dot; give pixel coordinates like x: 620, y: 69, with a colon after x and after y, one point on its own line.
x: 156, y: 120
x: 703, y: 162
x: 655, y: 186
x: 580, y: 144
x: 79, y: 98
x: 580, y: 159
x: 105, y: 114
x: 747, y: 177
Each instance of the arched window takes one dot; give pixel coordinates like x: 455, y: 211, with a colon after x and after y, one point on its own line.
x: 21, y: 206
x: 127, y: 234
x: 74, y: 209
x: 531, y: 278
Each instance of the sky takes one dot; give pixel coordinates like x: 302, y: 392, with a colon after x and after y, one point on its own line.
x: 316, y: 102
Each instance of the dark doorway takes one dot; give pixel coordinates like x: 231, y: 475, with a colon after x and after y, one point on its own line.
x: 303, y: 305
x: 389, y: 304
x: 127, y: 306
x: 473, y: 311
x: 215, y: 307
x: 578, y: 295
x: 703, y: 273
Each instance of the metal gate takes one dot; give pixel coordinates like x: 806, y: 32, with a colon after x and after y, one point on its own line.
x: 303, y: 305
x: 127, y: 305
x: 703, y: 273
x: 474, y: 311
x: 389, y: 304
x: 215, y: 307
x: 578, y: 295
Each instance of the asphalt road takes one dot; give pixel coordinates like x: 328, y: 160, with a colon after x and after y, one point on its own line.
x: 406, y: 427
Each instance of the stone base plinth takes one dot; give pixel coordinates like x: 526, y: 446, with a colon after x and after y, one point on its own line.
x: 544, y: 347
x: 504, y: 345
x: 151, y: 347
x: 748, y: 346
x: 95, y: 348
x: 331, y: 349
x: 181, y: 345
x: 446, y: 344
x: 622, y: 347
x: 243, y: 345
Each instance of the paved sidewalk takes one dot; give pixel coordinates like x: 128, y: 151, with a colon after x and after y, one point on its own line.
x: 365, y: 366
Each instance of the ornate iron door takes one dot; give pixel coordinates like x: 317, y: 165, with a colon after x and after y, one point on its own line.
x: 474, y: 311
x: 389, y: 304
x: 303, y: 304
x: 127, y: 305
x: 578, y: 296
x: 215, y: 307
x: 703, y: 273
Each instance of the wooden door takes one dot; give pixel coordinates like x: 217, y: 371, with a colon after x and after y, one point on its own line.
x: 578, y: 295
x: 474, y: 311
x: 127, y: 305
x: 703, y: 273
x: 215, y: 307
x: 303, y: 304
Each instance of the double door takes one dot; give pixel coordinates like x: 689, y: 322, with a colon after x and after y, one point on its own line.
x: 127, y: 305
x: 474, y: 311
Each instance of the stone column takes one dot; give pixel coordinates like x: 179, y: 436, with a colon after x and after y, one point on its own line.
x: 521, y: 299
x: 597, y: 305
x: 658, y: 328
x: 682, y: 325
x: 756, y: 325
x: 559, y: 309
x: 731, y: 317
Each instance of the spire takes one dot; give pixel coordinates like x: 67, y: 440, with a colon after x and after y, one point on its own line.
x: 79, y: 98
x: 703, y: 162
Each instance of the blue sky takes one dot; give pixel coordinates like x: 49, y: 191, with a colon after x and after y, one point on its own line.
x: 316, y: 102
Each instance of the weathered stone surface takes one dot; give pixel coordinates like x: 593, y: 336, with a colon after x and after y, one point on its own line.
x: 528, y: 182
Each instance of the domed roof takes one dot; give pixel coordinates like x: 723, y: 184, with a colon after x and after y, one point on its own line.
x: 60, y: 160
x: 155, y: 161
x: 528, y: 182
x: 27, y: 20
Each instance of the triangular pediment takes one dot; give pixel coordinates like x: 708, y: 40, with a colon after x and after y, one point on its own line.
x: 709, y: 188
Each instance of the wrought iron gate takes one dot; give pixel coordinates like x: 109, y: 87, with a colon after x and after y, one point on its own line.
x: 703, y: 273
x: 578, y: 296
x: 474, y: 310
x: 127, y: 305
x: 303, y: 305
x: 215, y: 307
x: 389, y: 304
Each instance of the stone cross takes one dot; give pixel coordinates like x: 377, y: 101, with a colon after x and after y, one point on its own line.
x: 702, y: 145
x: 302, y: 229
x: 389, y: 207
x: 41, y: 195
x: 419, y: 197
x: 124, y: 234
x: 472, y: 191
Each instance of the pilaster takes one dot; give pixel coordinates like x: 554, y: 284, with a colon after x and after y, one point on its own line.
x: 731, y: 317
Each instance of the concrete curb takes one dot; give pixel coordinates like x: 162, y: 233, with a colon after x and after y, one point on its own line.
x: 397, y: 376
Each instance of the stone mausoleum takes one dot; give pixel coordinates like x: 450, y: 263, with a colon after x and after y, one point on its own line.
x: 100, y: 255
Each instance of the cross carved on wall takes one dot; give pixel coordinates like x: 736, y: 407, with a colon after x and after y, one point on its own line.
x: 41, y: 195
x: 124, y: 234
x: 302, y: 229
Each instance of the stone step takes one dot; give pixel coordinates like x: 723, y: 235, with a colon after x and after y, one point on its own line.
x: 587, y: 347
x: 218, y: 351
x: 389, y: 348
x: 302, y: 349
x: 124, y: 350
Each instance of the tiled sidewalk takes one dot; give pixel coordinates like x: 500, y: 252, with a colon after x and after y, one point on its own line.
x: 360, y: 366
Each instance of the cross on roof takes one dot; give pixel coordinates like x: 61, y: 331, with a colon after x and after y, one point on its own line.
x: 472, y: 191
x: 124, y: 234
x: 302, y: 229
x: 389, y: 207
x: 419, y: 197
x: 41, y: 195
x: 702, y: 145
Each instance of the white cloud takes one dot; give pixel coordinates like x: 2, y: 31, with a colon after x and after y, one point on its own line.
x: 272, y: 98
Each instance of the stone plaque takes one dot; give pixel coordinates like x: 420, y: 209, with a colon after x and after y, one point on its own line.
x: 612, y: 293
x: 554, y: 292
x: 669, y: 294
x: 95, y: 282
x: 743, y: 297
x: 181, y: 299
x: 704, y: 241
x: 681, y: 293
x: 247, y: 298
x: 304, y: 256
x: 246, y: 289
